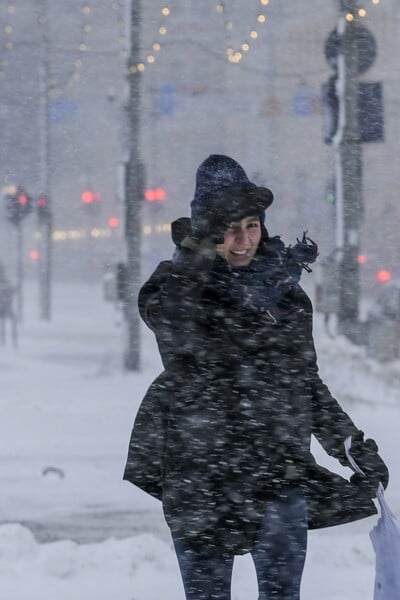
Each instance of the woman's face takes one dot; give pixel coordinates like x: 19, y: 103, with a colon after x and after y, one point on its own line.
x: 241, y: 241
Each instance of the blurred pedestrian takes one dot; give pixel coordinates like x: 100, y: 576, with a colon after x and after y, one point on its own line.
x: 223, y: 435
x: 7, y: 313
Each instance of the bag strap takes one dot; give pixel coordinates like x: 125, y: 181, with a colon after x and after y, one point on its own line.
x: 352, y: 462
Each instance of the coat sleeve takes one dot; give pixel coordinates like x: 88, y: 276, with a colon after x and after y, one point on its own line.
x: 331, y: 425
x: 169, y: 301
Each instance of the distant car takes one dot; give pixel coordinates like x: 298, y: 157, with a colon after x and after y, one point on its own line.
x: 383, y: 324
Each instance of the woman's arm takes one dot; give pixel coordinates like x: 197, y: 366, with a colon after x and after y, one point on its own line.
x: 169, y: 302
x: 332, y: 426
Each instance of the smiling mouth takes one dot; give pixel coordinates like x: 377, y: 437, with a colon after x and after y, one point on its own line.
x: 240, y: 252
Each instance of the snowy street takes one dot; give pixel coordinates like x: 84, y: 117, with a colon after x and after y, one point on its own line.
x: 204, y: 158
x: 71, y: 528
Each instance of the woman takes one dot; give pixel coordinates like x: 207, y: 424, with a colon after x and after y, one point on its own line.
x: 223, y: 435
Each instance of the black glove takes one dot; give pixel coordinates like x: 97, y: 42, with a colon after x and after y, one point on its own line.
x: 212, y: 226
x: 365, y: 453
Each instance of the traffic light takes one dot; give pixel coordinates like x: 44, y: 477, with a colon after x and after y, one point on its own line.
x: 369, y: 94
x: 18, y: 204
x: 89, y: 197
x: 330, y: 105
x: 370, y: 111
x: 155, y: 194
x: 113, y: 222
x: 122, y: 274
x: 43, y: 209
x: 330, y: 191
x: 383, y: 275
x: 91, y: 201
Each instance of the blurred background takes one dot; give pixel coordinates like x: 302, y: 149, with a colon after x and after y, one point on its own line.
x: 87, y: 87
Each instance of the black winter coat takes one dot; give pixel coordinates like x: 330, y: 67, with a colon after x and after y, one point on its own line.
x: 228, y: 424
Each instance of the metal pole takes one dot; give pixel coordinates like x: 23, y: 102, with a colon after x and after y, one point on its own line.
x: 134, y: 191
x: 45, y: 261
x: 20, y: 271
x: 349, y: 174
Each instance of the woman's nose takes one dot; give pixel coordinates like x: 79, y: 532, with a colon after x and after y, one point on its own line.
x: 241, y: 235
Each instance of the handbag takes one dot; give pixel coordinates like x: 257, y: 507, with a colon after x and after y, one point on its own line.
x: 385, y: 538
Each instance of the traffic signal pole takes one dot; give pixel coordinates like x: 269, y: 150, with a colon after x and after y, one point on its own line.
x: 45, y: 224
x: 348, y: 173
x: 134, y: 192
x: 20, y: 271
x: 18, y: 207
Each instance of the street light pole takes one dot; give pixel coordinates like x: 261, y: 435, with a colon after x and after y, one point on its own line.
x: 134, y: 191
x: 348, y: 156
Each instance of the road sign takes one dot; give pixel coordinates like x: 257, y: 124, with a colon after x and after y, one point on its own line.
x: 367, y: 48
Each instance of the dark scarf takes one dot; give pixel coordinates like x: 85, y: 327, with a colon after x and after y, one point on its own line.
x: 265, y: 285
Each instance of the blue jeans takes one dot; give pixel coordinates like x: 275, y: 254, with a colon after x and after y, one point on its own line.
x: 278, y: 556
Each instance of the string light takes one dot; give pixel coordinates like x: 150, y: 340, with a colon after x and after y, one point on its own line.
x: 54, y: 86
x: 235, y: 56
x: 122, y: 40
x: 8, y: 44
x: 151, y: 57
x: 362, y: 12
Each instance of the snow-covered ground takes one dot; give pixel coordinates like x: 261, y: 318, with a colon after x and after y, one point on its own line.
x: 71, y: 528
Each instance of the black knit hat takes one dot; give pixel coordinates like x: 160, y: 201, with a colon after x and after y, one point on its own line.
x: 221, y: 176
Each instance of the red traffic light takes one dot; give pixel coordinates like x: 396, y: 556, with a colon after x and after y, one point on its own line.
x: 362, y: 259
x: 34, y: 255
x: 19, y: 204
x: 89, y: 197
x: 155, y: 194
x: 113, y: 222
x: 383, y: 276
x: 43, y: 209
